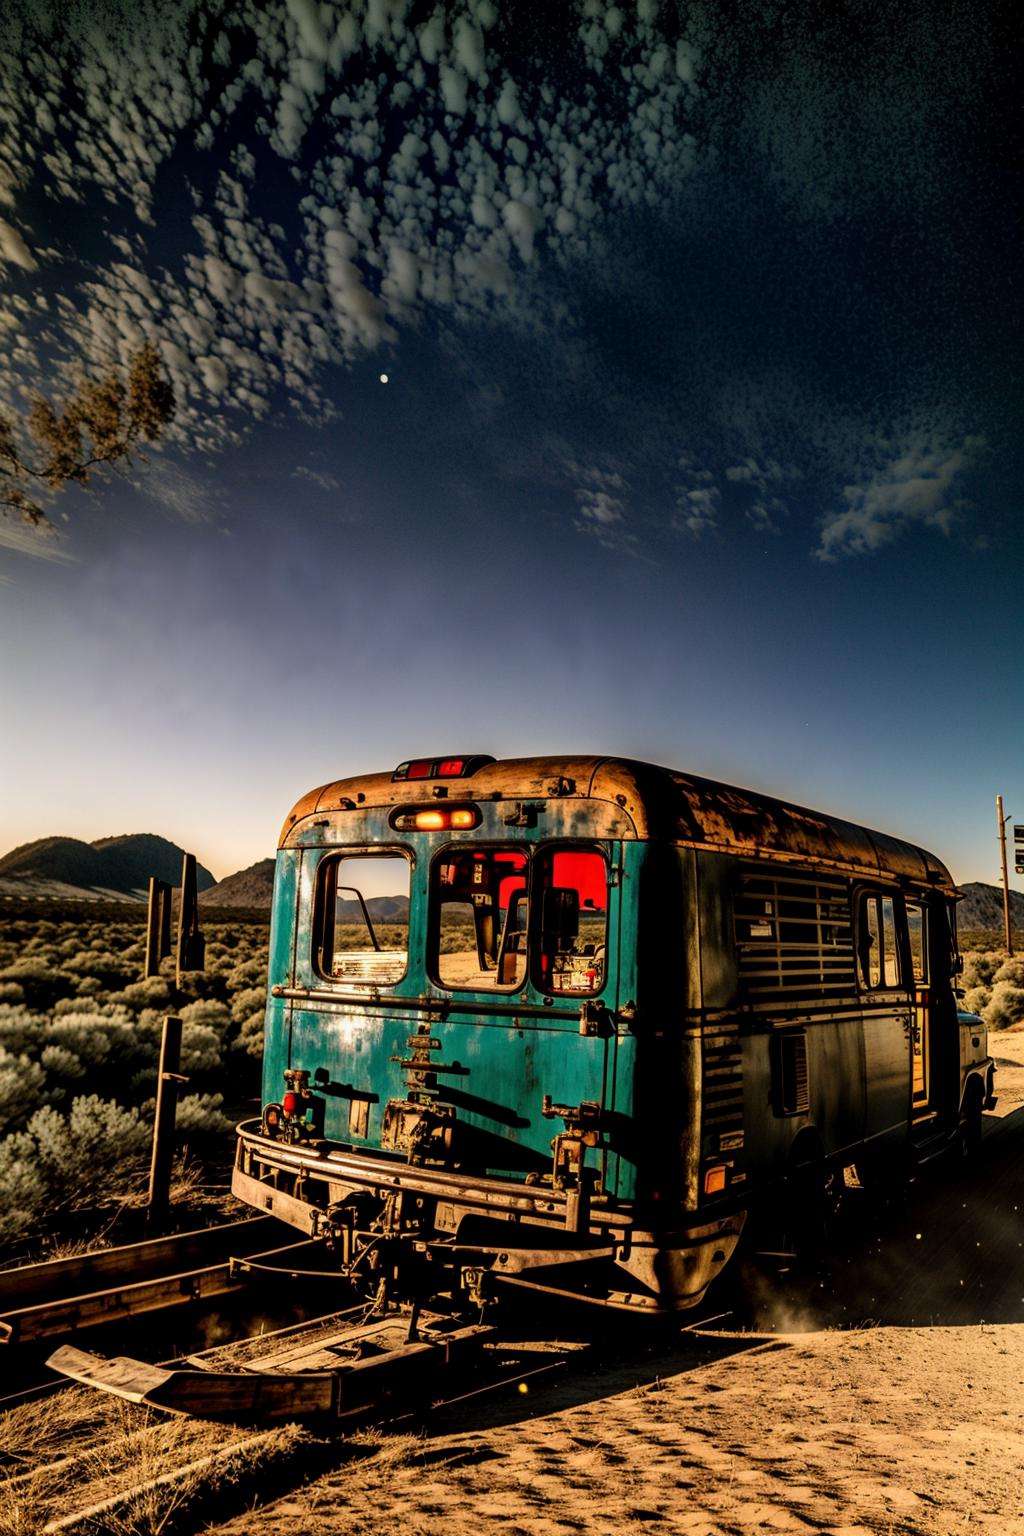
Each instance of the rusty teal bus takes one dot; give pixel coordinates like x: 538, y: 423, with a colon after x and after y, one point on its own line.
x: 561, y: 1023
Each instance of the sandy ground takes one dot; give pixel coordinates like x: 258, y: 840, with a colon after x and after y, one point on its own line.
x: 888, y: 1398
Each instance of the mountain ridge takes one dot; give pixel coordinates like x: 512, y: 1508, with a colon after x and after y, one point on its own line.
x: 118, y: 866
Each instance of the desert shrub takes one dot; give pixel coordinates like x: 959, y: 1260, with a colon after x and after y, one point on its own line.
x: 22, y: 1089
x: 249, y: 1040
x: 61, y: 1162
x: 249, y: 973
x: 41, y: 983
x: 22, y: 1189
x: 1011, y: 970
x: 979, y: 968
x: 1006, y: 1008
x: 977, y: 999
x: 202, y: 1115
x: 250, y: 1000
x: 57, y: 1061
x: 79, y: 1027
x: 154, y: 992
x: 200, y: 1049
x: 206, y: 1011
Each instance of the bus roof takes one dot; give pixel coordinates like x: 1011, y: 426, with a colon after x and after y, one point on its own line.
x: 660, y: 803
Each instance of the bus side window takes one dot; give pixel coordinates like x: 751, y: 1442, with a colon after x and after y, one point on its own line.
x: 869, y: 941
x: 917, y: 924
x: 877, y: 948
x: 891, y: 962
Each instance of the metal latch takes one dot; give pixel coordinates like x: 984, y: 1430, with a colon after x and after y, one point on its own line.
x: 596, y: 1020
x: 569, y: 1149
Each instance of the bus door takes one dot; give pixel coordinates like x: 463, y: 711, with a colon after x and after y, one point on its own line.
x: 922, y: 1029
x: 886, y: 1013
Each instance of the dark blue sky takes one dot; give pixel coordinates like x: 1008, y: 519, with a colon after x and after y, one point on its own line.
x: 700, y: 435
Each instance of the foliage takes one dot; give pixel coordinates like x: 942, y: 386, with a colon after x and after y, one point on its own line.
x: 79, y: 1045
x: 101, y: 423
x: 994, y: 987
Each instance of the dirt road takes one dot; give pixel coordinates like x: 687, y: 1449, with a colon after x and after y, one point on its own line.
x: 888, y: 1399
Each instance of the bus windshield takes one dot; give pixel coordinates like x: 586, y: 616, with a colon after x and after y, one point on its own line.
x: 499, y: 914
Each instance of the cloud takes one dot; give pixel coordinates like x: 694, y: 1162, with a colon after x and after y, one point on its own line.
x: 697, y: 498
x: 433, y: 166
x: 41, y: 543
x: 13, y: 248
x: 912, y: 484
x: 602, y: 507
x: 321, y: 478
x: 185, y: 494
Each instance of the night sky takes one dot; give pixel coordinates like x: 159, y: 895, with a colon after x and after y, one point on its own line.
x: 700, y: 436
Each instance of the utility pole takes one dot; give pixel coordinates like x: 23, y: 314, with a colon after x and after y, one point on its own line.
x: 1001, y: 821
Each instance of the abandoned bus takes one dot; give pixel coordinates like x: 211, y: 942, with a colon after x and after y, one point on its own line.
x: 562, y: 1022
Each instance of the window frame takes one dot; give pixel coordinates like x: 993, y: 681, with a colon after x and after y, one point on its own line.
x: 552, y: 847
x: 433, y: 955
x: 878, y: 893
x: 924, y: 907
x: 530, y: 978
x: 321, y: 908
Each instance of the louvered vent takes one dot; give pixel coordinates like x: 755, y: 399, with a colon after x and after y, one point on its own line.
x: 790, y: 1089
x: 794, y: 939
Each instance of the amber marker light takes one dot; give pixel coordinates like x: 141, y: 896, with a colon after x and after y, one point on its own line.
x: 714, y: 1180
x: 460, y: 818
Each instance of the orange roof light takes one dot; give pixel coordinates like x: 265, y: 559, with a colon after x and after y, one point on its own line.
x: 461, y: 818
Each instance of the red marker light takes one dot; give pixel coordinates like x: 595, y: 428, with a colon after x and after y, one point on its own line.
x: 290, y: 1102
x: 419, y: 770
x: 450, y: 767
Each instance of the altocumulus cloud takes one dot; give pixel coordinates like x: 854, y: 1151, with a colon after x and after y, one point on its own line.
x: 915, y: 480
x: 411, y: 166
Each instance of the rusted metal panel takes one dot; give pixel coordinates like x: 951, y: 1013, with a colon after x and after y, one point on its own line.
x: 644, y: 801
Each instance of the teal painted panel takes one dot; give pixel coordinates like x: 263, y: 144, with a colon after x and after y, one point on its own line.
x: 497, y: 1096
x: 284, y: 919
x: 510, y: 1061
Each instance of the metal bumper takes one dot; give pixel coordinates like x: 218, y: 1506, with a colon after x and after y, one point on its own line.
x: 643, y: 1269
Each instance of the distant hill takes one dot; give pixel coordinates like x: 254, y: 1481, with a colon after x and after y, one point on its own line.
x: 982, y: 907
x: 252, y: 887
x: 117, y: 867
x: 382, y: 909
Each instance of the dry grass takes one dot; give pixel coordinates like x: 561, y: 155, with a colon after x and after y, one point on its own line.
x: 117, y: 1448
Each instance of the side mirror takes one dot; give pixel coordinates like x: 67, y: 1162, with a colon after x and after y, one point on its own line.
x: 560, y: 918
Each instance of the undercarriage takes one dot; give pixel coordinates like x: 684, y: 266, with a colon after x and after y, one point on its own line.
x: 404, y: 1231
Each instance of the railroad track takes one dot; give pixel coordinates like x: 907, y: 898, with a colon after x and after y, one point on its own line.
x: 138, y: 1467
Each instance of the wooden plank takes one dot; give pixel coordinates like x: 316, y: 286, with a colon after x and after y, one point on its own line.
x: 31, y: 1284
x: 347, y: 1390
x: 50, y: 1319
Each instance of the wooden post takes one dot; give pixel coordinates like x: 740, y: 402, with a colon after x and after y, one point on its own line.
x: 153, y: 915
x: 165, y: 920
x: 1001, y: 821
x: 158, y: 925
x: 164, y: 1117
x: 191, y: 944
